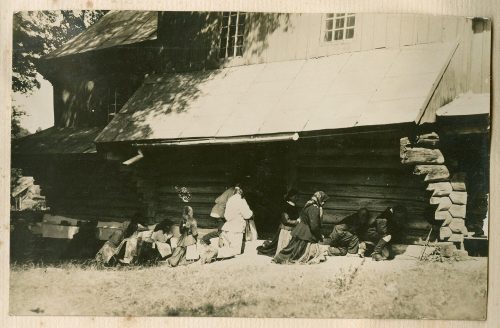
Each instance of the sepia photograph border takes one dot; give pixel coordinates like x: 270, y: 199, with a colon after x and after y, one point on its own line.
x: 481, y: 8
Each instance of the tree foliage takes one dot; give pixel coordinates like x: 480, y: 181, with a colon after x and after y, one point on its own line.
x: 36, y: 33
x: 16, y: 130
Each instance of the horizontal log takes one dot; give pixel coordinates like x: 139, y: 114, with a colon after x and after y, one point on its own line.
x: 434, y: 173
x: 351, y: 163
x: 440, y: 188
x: 459, y: 197
x: 444, y: 204
x: 363, y: 191
x: 458, y: 226
x: 458, y: 182
x: 404, y: 144
x: 445, y: 233
x: 456, y: 238
x: 442, y: 216
x: 367, y: 178
x: 458, y: 211
x: 332, y: 152
x: 422, y: 156
x: 428, y: 140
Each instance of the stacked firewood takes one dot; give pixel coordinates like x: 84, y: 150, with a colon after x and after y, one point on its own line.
x: 449, y: 193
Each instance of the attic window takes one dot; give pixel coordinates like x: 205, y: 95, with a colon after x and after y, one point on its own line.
x: 232, y: 33
x: 116, y: 100
x: 339, y: 26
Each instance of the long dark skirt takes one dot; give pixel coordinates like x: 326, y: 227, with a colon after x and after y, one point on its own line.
x: 269, y: 247
x: 301, y: 251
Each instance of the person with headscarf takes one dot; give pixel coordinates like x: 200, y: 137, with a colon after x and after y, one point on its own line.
x: 381, y: 231
x: 303, y: 247
x: 186, y: 250
x: 237, y: 213
x: 289, y: 219
x: 345, y: 234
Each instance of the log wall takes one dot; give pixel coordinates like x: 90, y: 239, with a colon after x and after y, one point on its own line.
x: 85, y: 187
x: 361, y: 171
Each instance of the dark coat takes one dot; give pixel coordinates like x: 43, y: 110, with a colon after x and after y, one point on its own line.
x: 309, y: 228
x: 289, y: 216
x: 352, y: 223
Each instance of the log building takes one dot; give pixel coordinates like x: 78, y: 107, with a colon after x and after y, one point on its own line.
x: 374, y: 109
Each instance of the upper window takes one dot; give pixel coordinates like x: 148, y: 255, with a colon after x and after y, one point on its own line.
x: 339, y: 26
x: 232, y: 33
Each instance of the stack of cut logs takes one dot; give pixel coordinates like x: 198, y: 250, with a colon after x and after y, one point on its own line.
x: 448, y: 191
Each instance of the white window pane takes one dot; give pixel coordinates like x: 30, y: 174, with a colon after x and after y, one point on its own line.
x: 341, y: 15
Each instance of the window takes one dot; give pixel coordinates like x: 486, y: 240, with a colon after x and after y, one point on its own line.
x: 232, y: 32
x: 116, y: 100
x: 339, y: 26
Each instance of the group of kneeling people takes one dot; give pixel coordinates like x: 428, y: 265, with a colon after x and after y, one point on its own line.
x: 299, y: 239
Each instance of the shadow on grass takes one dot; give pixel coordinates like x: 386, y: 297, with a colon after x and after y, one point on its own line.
x: 208, y: 310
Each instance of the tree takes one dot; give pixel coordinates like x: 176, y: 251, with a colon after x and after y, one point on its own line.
x: 16, y: 130
x: 36, y: 33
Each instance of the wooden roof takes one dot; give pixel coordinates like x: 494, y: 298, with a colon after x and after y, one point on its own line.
x: 22, y: 184
x: 376, y: 87
x: 116, y: 28
x: 467, y: 104
x: 57, y: 141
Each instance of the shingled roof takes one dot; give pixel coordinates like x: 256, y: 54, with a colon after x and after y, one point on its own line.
x: 57, y: 141
x: 377, y: 87
x: 116, y: 28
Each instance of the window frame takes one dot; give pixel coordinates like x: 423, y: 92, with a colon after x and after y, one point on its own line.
x: 237, y: 34
x: 324, y: 28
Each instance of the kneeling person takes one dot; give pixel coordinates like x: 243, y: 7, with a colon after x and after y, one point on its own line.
x: 381, y: 231
x: 344, y: 237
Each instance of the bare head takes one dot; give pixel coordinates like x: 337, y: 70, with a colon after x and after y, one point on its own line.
x: 363, y: 214
x: 292, y: 195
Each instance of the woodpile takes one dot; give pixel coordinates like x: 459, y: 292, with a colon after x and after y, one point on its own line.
x: 449, y: 194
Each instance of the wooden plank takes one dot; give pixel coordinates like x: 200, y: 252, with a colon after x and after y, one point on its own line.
x: 367, y: 31
x: 380, y: 31
x: 486, y: 60
x: 393, y: 30
x: 450, y: 24
x: 466, y: 52
x: 422, y: 29
x: 435, y: 32
x: 476, y: 72
x: 407, y: 29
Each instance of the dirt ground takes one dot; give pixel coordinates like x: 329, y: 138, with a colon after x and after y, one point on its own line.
x: 251, y: 286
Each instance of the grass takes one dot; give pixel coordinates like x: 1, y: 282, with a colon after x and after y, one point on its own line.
x: 250, y: 286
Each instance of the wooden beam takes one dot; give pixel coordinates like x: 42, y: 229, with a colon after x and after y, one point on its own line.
x: 434, y: 173
x: 422, y: 156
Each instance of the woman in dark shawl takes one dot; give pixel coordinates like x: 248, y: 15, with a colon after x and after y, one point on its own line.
x: 289, y: 219
x: 304, y: 247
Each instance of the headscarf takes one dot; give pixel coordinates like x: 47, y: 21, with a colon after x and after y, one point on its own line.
x: 317, y: 198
